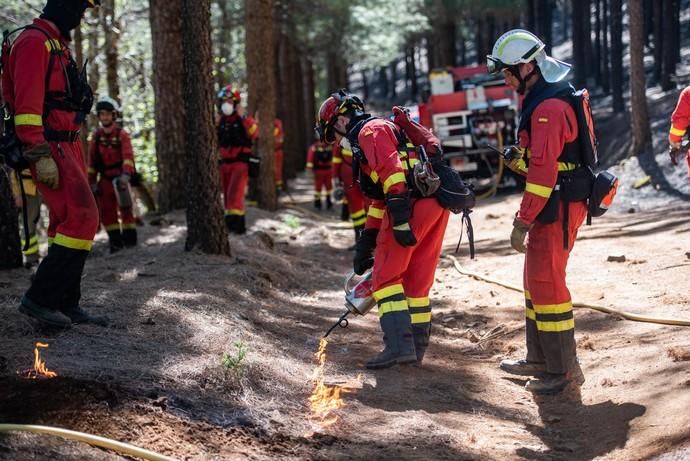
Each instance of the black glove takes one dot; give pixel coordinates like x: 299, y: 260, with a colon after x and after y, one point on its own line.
x: 364, y: 251
x: 673, y: 151
x: 400, y: 209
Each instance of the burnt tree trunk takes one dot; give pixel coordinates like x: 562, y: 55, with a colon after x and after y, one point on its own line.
x: 259, y: 53
x: 617, y: 55
x: 166, y: 30
x: 638, y: 98
x: 205, y: 226
x: 10, y: 244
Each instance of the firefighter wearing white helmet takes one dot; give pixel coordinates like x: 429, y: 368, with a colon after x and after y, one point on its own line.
x: 548, y: 150
x: 111, y: 169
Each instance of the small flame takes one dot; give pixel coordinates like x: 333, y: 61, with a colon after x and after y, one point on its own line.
x: 324, y: 399
x: 40, y: 370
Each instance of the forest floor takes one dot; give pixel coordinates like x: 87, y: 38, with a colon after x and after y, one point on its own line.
x: 155, y: 377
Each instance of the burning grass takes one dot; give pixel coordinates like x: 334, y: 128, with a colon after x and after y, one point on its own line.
x: 40, y: 370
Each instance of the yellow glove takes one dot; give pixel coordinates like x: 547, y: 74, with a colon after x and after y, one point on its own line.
x: 518, y: 235
x: 514, y: 159
x: 46, y: 168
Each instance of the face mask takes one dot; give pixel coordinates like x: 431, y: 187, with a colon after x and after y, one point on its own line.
x: 345, y: 144
x: 227, y: 108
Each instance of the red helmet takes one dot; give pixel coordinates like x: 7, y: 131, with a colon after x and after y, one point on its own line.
x: 340, y: 103
x: 231, y: 94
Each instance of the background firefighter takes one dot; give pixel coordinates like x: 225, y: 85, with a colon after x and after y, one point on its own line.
x: 342, y: 175
x: 278, y: 139
x: 32, y: 202
x: 403, y: 234
x: 680, y: 121
x: 548, y: 137
x: 319, y: 160
x: 111, y: 158
x: 236, y: 132
x: 49, y: 98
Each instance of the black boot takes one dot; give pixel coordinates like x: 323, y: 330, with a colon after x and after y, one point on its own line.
x: 421, y: 332
x: 241, y: 225
x: 317, y: 203
x: 358, y: 231
x: 115, y: 239
x: 129, y: 237
x: 44, y: 315
x: 344, y: 212
x: 329, y: 202
x: 79, y: 316
x: 398, y: 341
x: 230, y: 222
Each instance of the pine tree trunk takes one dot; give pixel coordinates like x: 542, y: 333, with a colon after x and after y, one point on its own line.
x: 597, y: 40
x: 578, y: 23
x: 310, y: 112
x: 605, y: 56
x: 10, y: 245
x: 659, y: 36
x: 166, y: 30
x: 668, y: 67
x: 205, y: 226
x: 617, y: 55
x: 638, y: 99
x: 259, y: 25
x: 587, y: 36
x: 110, y: 30
x: 394, y: 78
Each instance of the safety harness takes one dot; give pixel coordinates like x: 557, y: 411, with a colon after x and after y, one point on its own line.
x: 116, y: 143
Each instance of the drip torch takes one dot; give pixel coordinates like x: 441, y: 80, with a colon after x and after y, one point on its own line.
x: 359, y: 298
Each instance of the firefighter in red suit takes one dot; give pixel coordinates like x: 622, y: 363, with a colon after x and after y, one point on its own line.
x: 49, y: 97
x: 111, y: 159
x: 342, y: 173
x: 403, y: 234
x: 319, y: 160
x: 278, y: 139
x: 236, y: 133
x: 680, y: 121
x: 548, y: 136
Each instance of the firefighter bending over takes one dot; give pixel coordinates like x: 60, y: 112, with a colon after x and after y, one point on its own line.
x: 49, y: 97
x: 548, y: 148
x: 111, y: 168
x: 403, y: 233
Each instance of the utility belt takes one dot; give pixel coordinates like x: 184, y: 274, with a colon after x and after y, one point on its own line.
x: 321, y: 167
x: 571, y: 186
x: 243, y: 157
x: 60, y: 135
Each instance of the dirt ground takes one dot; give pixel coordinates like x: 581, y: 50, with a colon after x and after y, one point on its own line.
x: 155, y: 378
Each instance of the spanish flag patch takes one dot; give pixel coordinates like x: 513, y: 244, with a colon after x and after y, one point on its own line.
x: 543, y: 120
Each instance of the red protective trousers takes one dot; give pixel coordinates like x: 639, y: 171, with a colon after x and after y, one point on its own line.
x: 234, y: 178
x: 108, y: 206
x: 410, y: 270
x: 548, y: 305
x: 278, y: 138
x: 323, y: 179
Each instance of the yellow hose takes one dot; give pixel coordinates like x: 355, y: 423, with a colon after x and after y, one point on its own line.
x: 491, y: 192
x: 606, y: 310
x: 94, y: 440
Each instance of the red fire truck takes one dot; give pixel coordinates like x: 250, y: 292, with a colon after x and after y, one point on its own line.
x: 468, y: 110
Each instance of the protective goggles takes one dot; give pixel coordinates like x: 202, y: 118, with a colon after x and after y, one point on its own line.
x: 495, y: 65
x: 325, y: 130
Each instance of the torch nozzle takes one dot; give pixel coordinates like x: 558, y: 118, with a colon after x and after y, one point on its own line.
x: 342, y: 323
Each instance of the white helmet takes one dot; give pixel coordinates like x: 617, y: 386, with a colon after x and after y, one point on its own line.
x: 105, y: 102
x: 521, y: 46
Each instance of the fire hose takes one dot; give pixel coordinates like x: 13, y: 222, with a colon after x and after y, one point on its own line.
x: 94, y: 440
x: 606, y: 310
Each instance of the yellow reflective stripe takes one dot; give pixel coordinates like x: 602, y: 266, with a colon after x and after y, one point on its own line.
x: 530, y: 314
x: 359, y: 221
x: 234, y: 212
x: 392, y: 306
x: 374, y: 176
x: 310, y: 165
x: 358, y: 214
x: 73, y: 243
x: 391, y: 290
x: 252, y: 129
x: 375, y: 212
x: 92, y: 170
x: 275, y: 131
x: 565, y: 166
x: 51, y: 240
x: 337, y: 160
x: 112, y: 227
x: 346, y: 152
x: 132, y: 225
x: 53, y: 44
x: 31, y: 251
x: 402, y: 227
x: 563, y: 325
x: 395, y: 178
x: 424, y: 317
x: 677, y: 131
x: 418, y: 302
x: 553, y: 308
x: 515, y: 36
x: 28, y: 120
x: 128, y: 162
x: 536, y: 189
x: 527, y: 295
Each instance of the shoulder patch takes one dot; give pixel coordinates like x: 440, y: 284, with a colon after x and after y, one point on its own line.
x: 543, y: 120
x: 367, y: 131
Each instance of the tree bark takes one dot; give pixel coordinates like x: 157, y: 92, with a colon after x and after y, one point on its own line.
x: 110, y: 29
x: 668, y: 67
x: 638, y: 99
x: 166, y: 30
x: 310, y: 113
x: 597, y: 40
x: 659, y: 36
x: 605, y: 56
x: 10, y: 244
x: 617, y: 55
x: 205, y: 226
x: 578, y: 24
x: 259, y: 25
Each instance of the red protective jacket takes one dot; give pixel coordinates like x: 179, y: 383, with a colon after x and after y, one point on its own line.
x: 680, y: 119
x: 110, y: 154
x: 386, y: 164
x: 24, y: 83
x: 553, y: 124
x: 278, y: 134
x: 320, y: 156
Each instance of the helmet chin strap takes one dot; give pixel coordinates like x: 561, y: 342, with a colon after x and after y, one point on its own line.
x: 523, y: 81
